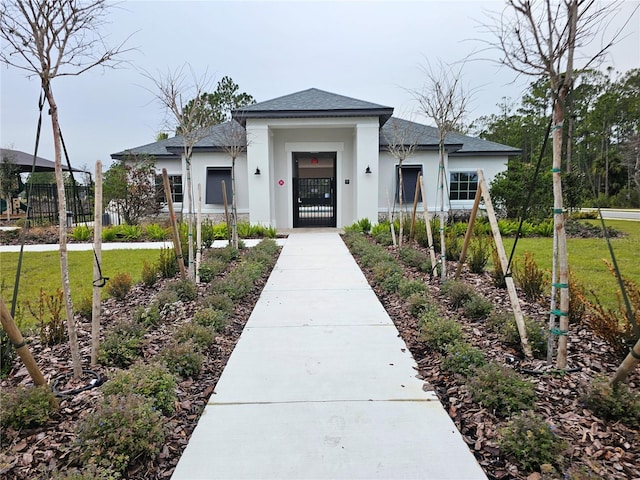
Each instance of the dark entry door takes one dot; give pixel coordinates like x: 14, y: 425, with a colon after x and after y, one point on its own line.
x: 314, y: 199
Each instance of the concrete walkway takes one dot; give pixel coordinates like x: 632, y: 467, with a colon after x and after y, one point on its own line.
x: 321, y: 386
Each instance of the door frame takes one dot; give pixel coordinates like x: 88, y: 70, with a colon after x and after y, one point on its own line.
x: 296, y: 181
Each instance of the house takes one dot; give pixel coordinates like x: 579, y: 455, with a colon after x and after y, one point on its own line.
x: 315, y: 158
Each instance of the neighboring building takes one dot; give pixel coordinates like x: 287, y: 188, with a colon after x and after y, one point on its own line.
x: 315, y: 158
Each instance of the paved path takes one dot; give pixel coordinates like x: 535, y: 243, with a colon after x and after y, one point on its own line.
x: 321, y: 386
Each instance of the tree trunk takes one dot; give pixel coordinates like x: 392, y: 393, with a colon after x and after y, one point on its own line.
x: 62, y: 233
x: 190, y: 270
x: 234, y: 205
x: 441, y: 180
x: 400, y: 202
x: 97, y: 274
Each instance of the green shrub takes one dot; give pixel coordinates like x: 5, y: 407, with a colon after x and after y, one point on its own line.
x: 453, y: 245
x: 439, y: 332
x: 48, y: 311
x: 419, y: 303
x: 497, y: 274
x: 365, y: 225
x: 218, y: 301
x: 149, y: 274
x: 457, y: 292
x: 185, y: 289
x: 479, y: 253
x: 7, y: 354
x: 152, y: 381
x: 391, y: 283
x: 84, y: 307
x: 91, y: 471
x: 536, y: 335
x: 148, y: 316
x: 617, y: 403
x: 531, y: 279
x: 381, y: 233
x: 210, y: 268
x: 121, y: 429
x: 182, y: 359
x: 238, y: 283
x: 477, y: 307
x: 129, y: 232
x: 415, y: 258
x: 544, y: 228
x: 407, y: 287
x: 165, y: 297
x: 109, y: 234
x: 227, y: 254
x: 201, y: 335
x: 168, y: 263
x: 531, y: 442
x: 119, y: 286
x: 81, y: 233
x: 501, y: 390
x: 462, y: 358
x: 212, y: 318
x: 384, y: 269
x: 122, y: 344
x: 25, y: 407
x: 155, y: 232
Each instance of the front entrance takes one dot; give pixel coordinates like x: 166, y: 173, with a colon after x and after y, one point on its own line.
x: 314, y: 189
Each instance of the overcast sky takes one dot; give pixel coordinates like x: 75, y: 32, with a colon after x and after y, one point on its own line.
x: 368, y: 50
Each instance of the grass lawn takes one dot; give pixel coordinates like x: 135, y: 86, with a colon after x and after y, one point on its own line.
x: 587, y: 255
x: 42, y: 270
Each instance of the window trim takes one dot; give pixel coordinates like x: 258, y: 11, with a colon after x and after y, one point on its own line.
x: 228, y: 188
x: 472, y: 177
x: 172, y: 184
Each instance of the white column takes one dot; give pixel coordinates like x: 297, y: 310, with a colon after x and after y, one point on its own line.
x: 259, y: 185
x: 367, y: 156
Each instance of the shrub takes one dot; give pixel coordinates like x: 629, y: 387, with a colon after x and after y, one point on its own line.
x: 462, y: 358
x: 477, y: 307
x: 182, y: 359
x: 7, y: 354
x: 497, y: 274
x: 365, y: 225
x: 501, y: 390
x: 165, y: 297
x: 391, y: 283
x: 84, y: 307
x: 200, y: 335
x: 415, y: 258
x: 531, y: 279
x: 90, y: 471
x: 479, y: 253
x: 419, y: 303
x: 210, y: 268
x: 227, y: 254
x: 121, y: 429
x: 109, y: 234
x: 152, y: 381
x: 531, y: 442
x: 381, y: 233
x: 122, y: 344
x: 439, y: 332
x: 49, y: 313
x: 617, y: 403
x: 185, y: 289
x: 210, y: 317
x: 218, y: 301
x: 149, y: 273
x: 156, y: 232
x: 130, y: 232
x: 81, y: 233
x: 147, y: 316
x: 25, y: 407
x: 407, y: 287
x: 457, y: 292
x: 168, y: 263
x: 453, y: 245
x: 119, y: 286
x: 577, y: 306
x: 384, y: 269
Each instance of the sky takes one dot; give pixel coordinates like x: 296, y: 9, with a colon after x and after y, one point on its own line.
x: 371, y: 50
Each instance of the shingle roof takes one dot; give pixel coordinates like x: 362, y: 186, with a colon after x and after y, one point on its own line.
x: 312, y: 103
x: 24, y: 161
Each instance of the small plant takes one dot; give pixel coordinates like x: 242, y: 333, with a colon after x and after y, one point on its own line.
x: 130, y: 232
x: 407, y: 287
x: 392, y: 282
x: 147, y: 316
x: 48, y: 312
x: 457, y: 292
x: 218, y: 301
x: 531, y: 442
x: 149, y: 273
x: 419, y: 303
x: 381, y: 233
x: 122, y: 344
x: 497, y: 275
x: 121, y: 429
x: 210, y: 268
x: 200, y: 335
x: 185, y: 289
x: 7, y: 354
x: 501, y: 390
x: 227, y: 254
x: 155, y: 232
x: 531, y: 279
x: 165, y: 297
x: 212, y: 318
x: 119, y: 286
x: 365, y: 225
x: 109, y: 234
x: 479, y: 253
x: 577, y: 292
x: 536, y: 335
x: 91, y: 471
x: 168, y: 263
x: 182, y: 359
x: 152, y: 381
x: 453, y: 245
x: 84, y: 307
x: 415, y: 258
x: 81, y: 233
x: 439, y: 332
x: 617, y: 403
x: 25, y: 407
x: 477, y: 307
x: 462, y: 358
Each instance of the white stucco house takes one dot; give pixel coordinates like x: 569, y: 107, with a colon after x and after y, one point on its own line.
x: 315, y: 158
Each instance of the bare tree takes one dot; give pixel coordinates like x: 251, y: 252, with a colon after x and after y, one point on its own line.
x: 444, y: 100
x: 49, y: 39
x: 174, y: 91
x: 541, y: 39
x: 401, y: 144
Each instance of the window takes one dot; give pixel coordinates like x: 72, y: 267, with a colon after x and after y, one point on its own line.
x: 175, y: 184
x: 214, y: 186
x: 409, y: 178
x: 463, y: 185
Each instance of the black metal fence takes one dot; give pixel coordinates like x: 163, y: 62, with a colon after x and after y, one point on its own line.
x: 43, y: 201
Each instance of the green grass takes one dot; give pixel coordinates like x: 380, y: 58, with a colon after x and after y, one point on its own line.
x: 586, y: 257
x: 42, y: 270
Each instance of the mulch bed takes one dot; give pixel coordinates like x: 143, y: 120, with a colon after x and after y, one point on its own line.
x: 599, y: 449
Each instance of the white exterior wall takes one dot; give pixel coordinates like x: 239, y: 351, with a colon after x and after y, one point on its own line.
x: 491, y: 166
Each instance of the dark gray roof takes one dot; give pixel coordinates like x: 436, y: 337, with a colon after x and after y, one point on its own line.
x: 312, y: 103
x: 427, y: 138
x: 24, y: 161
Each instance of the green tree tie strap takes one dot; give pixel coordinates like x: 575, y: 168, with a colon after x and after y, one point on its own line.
x: 559, y: 313
x: 558, y: 210
x: 558, y: 332
x: 634, y: 354
x: 20, y: 345
x: 556, y: 170
x: 560, y: 285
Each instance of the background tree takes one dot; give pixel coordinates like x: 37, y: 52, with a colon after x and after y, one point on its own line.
x: 131, y: 186
x: 10, y: 183
x: 49, y: 39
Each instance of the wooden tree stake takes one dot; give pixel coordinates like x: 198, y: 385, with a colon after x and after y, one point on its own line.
x: 427, y: 222
x: 174, y: 224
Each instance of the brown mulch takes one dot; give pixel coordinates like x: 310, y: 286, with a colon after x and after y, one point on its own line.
x: 599, y: 449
